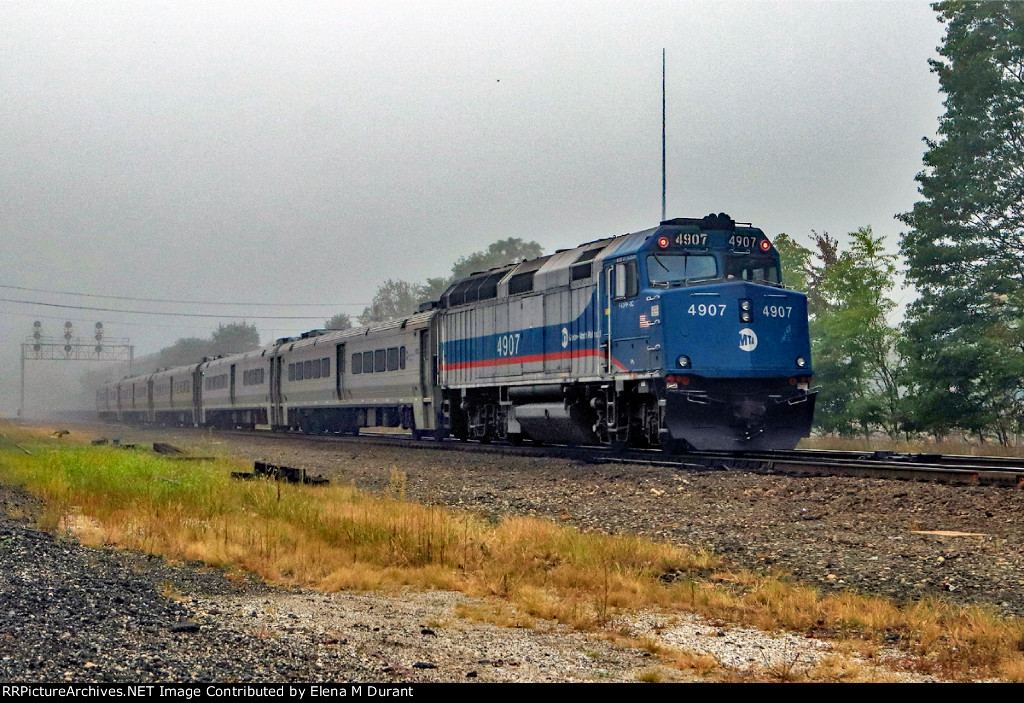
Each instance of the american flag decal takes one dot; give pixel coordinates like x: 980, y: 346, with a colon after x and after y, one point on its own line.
x: 644, y: 322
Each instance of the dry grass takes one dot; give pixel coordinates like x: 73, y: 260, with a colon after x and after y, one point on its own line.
x: 170, y: 591
x: 652, y: 674
x: 526, y: 569
x: 700, y: 664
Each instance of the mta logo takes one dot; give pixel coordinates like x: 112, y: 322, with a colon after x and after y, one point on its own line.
x: 748, y: 339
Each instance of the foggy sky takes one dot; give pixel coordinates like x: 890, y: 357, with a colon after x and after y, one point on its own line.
x: 305, y: 152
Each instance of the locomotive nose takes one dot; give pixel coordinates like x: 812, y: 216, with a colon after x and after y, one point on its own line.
x: 737, y: 329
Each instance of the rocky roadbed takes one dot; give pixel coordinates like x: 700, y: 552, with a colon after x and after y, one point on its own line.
x: 71, y: 613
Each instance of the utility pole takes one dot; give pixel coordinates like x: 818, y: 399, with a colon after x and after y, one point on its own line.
x: 662, y: 135
x: 21, y: 403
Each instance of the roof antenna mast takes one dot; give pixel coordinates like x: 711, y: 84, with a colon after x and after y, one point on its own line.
x: 663, y: 135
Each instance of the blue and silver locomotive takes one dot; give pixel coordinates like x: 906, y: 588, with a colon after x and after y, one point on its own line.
x: 678, y: 337
x: 681, y: 336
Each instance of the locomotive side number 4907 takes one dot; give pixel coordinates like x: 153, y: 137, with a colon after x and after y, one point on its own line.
x: 777, y: 311
x: 508, y: 345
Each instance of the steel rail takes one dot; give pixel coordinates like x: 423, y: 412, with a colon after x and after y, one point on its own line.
x: 954, y: 469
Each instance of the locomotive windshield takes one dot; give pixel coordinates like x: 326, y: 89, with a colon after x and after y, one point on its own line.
x: 668, y: 270
x: 676, y: 269
x: 759, y: 269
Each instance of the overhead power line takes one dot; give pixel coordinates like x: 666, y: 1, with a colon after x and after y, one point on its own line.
x: 107, y: 321
x: 183, y: 302
x: 160, y: 312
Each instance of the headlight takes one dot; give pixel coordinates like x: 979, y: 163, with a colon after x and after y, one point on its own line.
x: 684, y: 362
x: 801, y: 362
x: 745, y: 304
x: 746, y: 316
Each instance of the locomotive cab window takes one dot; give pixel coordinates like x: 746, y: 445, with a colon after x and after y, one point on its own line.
x: 758, y: 269
x: 665, y: 270
x: 626, y: 283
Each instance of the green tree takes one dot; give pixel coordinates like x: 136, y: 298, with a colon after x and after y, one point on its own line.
x: 187, y: 350
x: 504, y: 251
x: 857, y: 366
x: 392, y: 301
x: 433, y: 289
x: 965, y: 247
x: 233, y: 338
x: 797, y: 263
x: 853, y: 344
x: 341, y: 321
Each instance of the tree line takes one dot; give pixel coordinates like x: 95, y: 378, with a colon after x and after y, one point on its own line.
x: 955, y: 364
x: 396, y: 299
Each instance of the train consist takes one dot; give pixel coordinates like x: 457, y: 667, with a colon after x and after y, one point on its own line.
x: 680, y: 337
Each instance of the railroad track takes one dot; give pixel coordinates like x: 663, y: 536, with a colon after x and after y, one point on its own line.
x: 943, y: 468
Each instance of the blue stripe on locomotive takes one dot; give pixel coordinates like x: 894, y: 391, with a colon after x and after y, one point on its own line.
x: 580, y: 337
